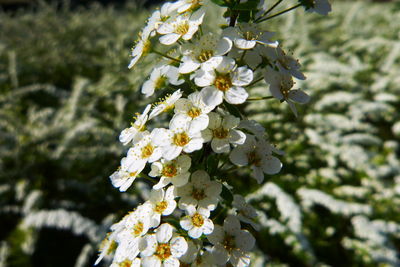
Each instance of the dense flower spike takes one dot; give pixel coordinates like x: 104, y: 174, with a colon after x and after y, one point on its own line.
x: 194, y: 149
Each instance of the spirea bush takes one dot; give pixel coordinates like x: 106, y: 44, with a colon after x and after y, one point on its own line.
x: 194, y: 214
x: 334, y: 202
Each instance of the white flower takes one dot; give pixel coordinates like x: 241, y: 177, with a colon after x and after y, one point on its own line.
x: 166, y: 104
x: 136, y: 131
x: 257, y: 154
x: 163, y: 248
x: 199, y: 192
x: 177, y: 138
x: 191, y: 253
x: 107, y: 247
x: 163, y: 203
x: 193, y: 110
x: 245, y: 212
x: 127, y: 263
x: 222, y: 80
x: 199, y: 53
x: 197, y: 222
x: 221, y: 132
x: 182, y: 26
x: 171, y: 171
x: 263, y: 54
x: 231, y: 243
x: 253, y: 127
x: 159, y: 16
x: 187, y: 5
x: 288, y: 65
x: 143, y: 151
x: 126, y: 174
x: 246, y: 36
x: 159, y: 78
x: 142, y: 48
x: 280, y: 86
x: 322, y: 7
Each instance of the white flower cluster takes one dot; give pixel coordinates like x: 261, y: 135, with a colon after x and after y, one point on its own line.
x: 186, y: 221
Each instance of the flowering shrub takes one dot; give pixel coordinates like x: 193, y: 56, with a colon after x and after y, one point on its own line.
x: 196, y: 137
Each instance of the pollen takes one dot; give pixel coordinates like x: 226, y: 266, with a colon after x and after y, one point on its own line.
x: 169, y: 170
x: 163, y: 251
x: 132, y: 174
x: 125, y: 263
x: 182, y: 28
x: 197, y: 220
x: 181, y: 139
x: 229, y: 242
x: 161, y: 206
x: 223, y: 82
x: 198, y: 194
x: 254, y: 159
x: 220, y: 133
x: 137, y: 229
x: 205, y: 55
x: 160, y: 82
x: 147, y: 151
x: 194, y: 112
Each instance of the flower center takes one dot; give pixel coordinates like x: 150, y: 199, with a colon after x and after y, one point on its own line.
x: 205, y: 55
x: 163, y: 251
x: 182, y: 28
x: 181, y: 139
x: 194, y: 112
x: 223, y: 82
x: 138, y: 229
x: 146, y: 47
x: 229, y: 242
x: 169, y: 170
x: 197, y: 220
x: 198, y: 194
x: 220, y: 133
x: 125, y: 263
x: 254, y: 159
x: 160, y: 82
x: 161, y: 206
x: 132, y: 174
x: 147, y: 151
x: 286, y: 85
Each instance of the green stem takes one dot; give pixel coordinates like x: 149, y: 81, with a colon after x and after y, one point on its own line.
x: 280, y: 13
x: 166, y: 56
x: 259, y: 98
x: 145, y: 176
x: 256, y: 81
x: 269, y: 10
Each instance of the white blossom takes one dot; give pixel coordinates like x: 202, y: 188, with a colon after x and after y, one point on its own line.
x: 159, y: 78
x: 168, y: 103
x: 182, y: 26
x: 171, y: 171
x: 199, y: 192
x: 196, y: 222
x: 231, y: 243
x: 258, y: 155
x: 246, y: 36
x: 162, y: 202
x: 164, y: 248
x: 199, y: 53
x: 137, y: 130
x: 221, y: 79
x: 221, y: 132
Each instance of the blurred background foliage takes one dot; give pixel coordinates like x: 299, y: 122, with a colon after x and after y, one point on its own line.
x: 66, y: 93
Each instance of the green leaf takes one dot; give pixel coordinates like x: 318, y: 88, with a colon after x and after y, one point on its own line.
x: 219, y: 3
x: 249, y: 5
